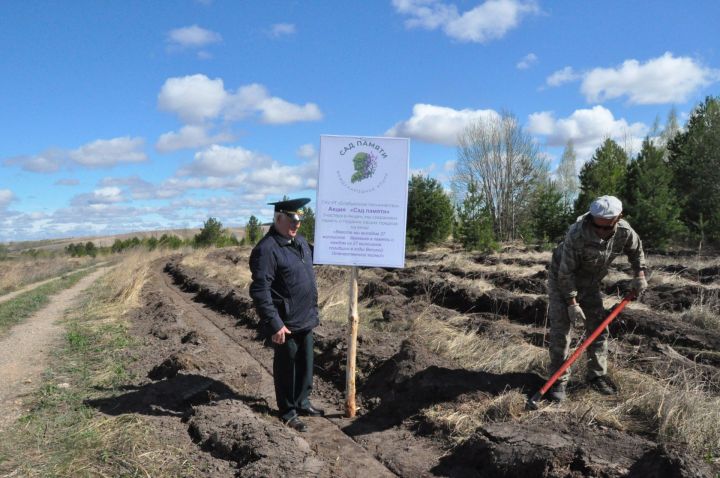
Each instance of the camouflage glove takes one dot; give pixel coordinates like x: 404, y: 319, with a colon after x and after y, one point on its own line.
x: 576, y: 314
x: 639, y: 285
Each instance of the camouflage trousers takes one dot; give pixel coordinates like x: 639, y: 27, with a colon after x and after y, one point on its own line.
x: 590, y: 300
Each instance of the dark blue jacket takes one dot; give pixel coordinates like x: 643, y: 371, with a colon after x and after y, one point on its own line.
x: 283, y: 287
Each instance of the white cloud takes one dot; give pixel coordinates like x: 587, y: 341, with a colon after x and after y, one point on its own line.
x: 255, y: 98
x: 438, y: 124
x: 47, y: 162
x: 193, y: 37
x: 108, y: 194
x: 665, y: 79
x: 488, y: 21
x: 193, y: 98
x: 279, y: 111
x: 426, y: 171
x: 587, y: 128
x: 99, y: 153
x: 282, y: 29
x: 306, y: 151
x: 449, y: 166
x: 243, y: 171
x: 190, y: 137
x: 109, y: 152
x: 527, y: 61
x: 99, y: 198
x: 6, y: 197
x: 221, y: 161
x: 197, y: 98
x: 560, y: 77
x: 138, y: 188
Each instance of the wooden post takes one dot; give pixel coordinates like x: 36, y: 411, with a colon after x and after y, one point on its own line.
x: 353, y: 318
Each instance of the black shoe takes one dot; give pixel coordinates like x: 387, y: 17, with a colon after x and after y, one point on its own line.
x: 296, y: 424
x: 558, y: 392
x: 603, y: 385
x: 311, y: 411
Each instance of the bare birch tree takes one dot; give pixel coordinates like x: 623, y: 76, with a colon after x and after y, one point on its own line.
x: 567, y: 175
x: 503, y: 160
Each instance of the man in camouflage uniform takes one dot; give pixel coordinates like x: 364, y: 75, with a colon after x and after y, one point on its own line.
x: 578, y: 266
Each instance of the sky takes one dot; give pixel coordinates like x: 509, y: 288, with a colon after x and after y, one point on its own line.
x: 121, y: 116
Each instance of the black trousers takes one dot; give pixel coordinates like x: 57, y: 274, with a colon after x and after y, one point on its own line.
x: 293, y: 373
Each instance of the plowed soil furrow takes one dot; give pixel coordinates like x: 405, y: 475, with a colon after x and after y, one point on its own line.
x: 402, y: 382
x: 341, y: 454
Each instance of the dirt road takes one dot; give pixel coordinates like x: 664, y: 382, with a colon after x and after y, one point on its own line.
x: 24, y: 351
x: 34, y: 285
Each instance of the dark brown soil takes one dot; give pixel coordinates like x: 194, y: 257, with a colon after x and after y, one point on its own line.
x: 207, y: 370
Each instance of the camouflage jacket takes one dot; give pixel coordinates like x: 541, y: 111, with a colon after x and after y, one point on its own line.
x: 582, y: 259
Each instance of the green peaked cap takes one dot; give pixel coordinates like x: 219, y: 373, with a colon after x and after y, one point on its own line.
x: 292, y: 206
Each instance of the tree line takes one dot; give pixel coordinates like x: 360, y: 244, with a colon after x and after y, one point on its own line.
x: 502, y: 188
x: 212, y: 234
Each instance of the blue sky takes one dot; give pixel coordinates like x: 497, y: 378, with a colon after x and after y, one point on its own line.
x: 128, y: 115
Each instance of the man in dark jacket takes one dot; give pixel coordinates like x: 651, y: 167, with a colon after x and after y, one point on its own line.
x: 284, y: 292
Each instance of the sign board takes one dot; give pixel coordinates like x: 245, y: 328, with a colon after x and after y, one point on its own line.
x: 362, y: 201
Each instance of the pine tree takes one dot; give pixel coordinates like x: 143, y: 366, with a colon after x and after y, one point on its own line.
x: 429, y: 213
x: 209, y: 235
x: 253, y: 231
x: 551, y: 215
x: 474, y: 228
x: 695, y: 162
x: 603, y: 175
x: 650, y: 201
x: 307, y: 229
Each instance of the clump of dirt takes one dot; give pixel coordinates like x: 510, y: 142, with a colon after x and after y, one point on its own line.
x: 231, y: 430
x: 415, y: 378
x: 667, y: 461
x: 171, y: 366
x: 331, y: 346
x: 192, y: 338
x: 534, y: 284
x: 551, y: 446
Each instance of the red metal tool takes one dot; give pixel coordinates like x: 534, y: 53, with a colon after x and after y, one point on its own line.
x: 532, y: 403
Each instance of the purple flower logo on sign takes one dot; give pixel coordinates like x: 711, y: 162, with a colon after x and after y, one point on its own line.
x: 365, y: 165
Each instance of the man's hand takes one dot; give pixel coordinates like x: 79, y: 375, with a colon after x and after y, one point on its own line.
x: 639, y: 285
x: 576, y: 314
x: 279, y: 336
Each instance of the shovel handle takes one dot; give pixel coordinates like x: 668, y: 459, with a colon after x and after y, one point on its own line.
x: 586, y: 343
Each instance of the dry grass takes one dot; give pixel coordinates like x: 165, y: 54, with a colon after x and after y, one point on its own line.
x: 459, y: 421
x: 237, y: 275
x: 65, y: 437
x: 21, y: 271
x: 333, y: 296
x: 705, y: 311
x: 495, y: 351
x: 675, y: 409
x: 466, y: 263
x: 695, y: 262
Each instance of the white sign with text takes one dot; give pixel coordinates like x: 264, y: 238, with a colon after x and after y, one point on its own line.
x: 362, y: 201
